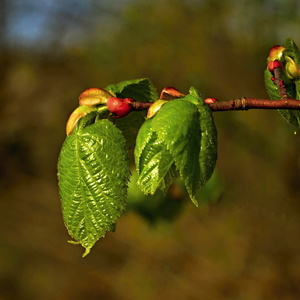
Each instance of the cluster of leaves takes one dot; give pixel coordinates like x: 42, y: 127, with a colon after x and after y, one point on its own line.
x: 93, y: 168
x: 289, y: 58
x: 178, y: 139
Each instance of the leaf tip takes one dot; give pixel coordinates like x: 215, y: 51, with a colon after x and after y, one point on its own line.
x: 195, y: 202
x: 87, y: 249
x: 73, y: 242
x: 86, y: 252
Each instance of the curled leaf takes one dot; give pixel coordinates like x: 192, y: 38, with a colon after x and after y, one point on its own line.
x: 76, y: 115
x: 94, y: 96
x: 155, y: 107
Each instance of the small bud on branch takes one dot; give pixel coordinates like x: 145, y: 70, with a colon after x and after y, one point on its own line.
x: 273, y: 64
x: 119, y: 107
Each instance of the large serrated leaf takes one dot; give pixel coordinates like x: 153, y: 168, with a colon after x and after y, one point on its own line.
x: 189, y: 132
x: 137, y: 89
x: 155, y: 164
x: 93, y: 175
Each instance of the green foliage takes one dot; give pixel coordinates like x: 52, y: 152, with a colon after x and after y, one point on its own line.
x: 155, y: 164
x: 178, y: 141
x: 157, y: 207
x: 292, y: 84
x: 93, y: 175
x: 137, y: 89
x: 182, y: 139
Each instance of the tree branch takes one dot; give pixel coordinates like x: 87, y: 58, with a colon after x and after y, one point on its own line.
x: 253, y: 103
x: 244, y: 103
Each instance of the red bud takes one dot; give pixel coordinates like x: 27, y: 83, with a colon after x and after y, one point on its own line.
x: 273, y: 64
x: 119, y: 107
x: 210, y: 100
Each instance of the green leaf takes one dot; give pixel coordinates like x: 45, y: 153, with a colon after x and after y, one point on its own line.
x: 130, y: 126
x: 137, y: 89
x: 155, y: 164
x: 180, y: 139
x: 293, y: 116
x: 93, y: 175
x: 157, y: 207
x: 177, y: 125
x: 194, y: 143
x: 271, y: 86
x: 292, y: 50
x: 209, y: 143
x: 194, y: 96
x: 288, y: 115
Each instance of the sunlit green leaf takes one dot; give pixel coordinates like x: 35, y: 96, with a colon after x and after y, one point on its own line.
x: 177, y: 125
x: 93, y: 176
x: 154, y: 162
x: 180, y: 140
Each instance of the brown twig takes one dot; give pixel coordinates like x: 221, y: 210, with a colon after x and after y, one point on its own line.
x: 280, y: 83
x: 253, y: 103
x: 245, y: 103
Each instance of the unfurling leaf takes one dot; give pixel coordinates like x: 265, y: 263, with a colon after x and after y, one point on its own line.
x: 93, y: 175
x: 94, y: 96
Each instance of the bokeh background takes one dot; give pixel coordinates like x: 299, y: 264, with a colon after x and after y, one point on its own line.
x: 242, y: 243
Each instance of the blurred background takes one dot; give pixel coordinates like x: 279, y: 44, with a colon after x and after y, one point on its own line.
x: 242, y: 243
